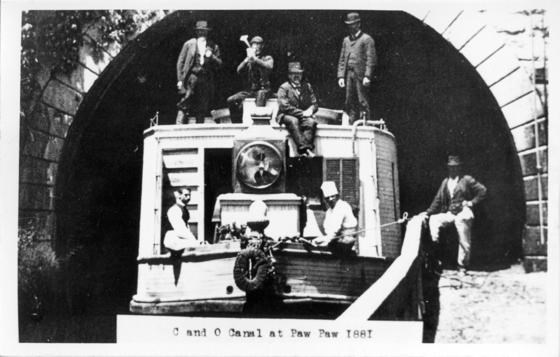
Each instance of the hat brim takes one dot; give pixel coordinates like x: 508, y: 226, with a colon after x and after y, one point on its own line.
x: 203, y: 28
x: 295, y: 71
x: 351, y: 22
x: 454, y: 164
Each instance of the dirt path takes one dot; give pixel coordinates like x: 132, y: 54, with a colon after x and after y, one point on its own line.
x: 492, y: 307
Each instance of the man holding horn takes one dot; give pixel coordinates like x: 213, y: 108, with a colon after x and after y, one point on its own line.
x: 258, y: 67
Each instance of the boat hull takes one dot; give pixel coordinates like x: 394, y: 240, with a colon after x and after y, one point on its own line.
x: 202, y: 280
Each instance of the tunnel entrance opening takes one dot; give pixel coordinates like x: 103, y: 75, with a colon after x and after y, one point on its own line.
x: 431, y: 97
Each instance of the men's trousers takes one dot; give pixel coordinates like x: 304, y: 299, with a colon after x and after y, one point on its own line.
x: 356, y: 97
x: 463, y: 223
x: 199, y: 91
x: 301, y: 130
x: 235, y: 102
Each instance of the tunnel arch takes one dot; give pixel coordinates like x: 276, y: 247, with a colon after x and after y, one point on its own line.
x: 432, y: 96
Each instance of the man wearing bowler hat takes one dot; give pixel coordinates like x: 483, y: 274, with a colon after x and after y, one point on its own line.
x: 196, y: 65
x: 458, y: 194
x: 258, y: 67
x: 355, y: 67
x: 296, y: 106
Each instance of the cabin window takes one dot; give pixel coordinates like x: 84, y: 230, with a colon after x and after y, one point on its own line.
x: 344, y: 172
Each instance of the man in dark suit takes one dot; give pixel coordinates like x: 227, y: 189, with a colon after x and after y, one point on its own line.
x: 355, y: 67
x: 296, y: 106
x: 196, y: 64
x: 258, y: 66
x: 453, y: 204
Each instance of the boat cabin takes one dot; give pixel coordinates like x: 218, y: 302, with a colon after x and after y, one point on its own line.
x: 229, y: 166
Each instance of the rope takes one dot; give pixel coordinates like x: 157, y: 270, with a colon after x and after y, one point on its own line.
x: 399, y: 221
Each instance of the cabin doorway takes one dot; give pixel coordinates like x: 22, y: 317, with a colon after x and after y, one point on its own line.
x: 217, y: 180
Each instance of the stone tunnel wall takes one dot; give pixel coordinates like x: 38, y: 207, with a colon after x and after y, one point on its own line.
x: 509, y: 52
x: 499, y: 46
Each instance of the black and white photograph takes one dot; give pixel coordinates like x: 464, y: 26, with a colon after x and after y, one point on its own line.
x: 261, y: 180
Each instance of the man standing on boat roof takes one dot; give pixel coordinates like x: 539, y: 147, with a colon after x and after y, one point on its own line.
x: 178, y: 236
x: 258, y: 67
x: 356, y: 64
x: 453, y: 204
x: 340, y: 223
x: 297, y: 105
x: 196, y: 65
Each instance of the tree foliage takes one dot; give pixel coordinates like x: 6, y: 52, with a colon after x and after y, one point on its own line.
x: 52, y: 40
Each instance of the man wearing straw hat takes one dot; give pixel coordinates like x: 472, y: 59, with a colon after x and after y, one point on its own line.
x: 340, y: 223
x: 355, y: 67
x: 196, y: 64
x: 296, y: 106
x: 453, y: 205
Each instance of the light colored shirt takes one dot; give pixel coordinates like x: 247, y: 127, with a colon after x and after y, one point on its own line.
x: 201, y: 44
x: 451, y: 184
x: 338, y: 218
x: 180, y: 227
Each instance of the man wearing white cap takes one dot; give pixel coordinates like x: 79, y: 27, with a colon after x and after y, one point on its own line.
x: 339, y: 222
x: 178, y: 235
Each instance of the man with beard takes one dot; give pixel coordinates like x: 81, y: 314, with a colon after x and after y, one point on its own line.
x: 196, y: 65
x: 296, y: 106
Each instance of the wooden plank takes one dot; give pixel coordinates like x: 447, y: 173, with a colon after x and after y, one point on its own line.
x: 378, y: 292
x: 188, y: 158
x: 181, y: 178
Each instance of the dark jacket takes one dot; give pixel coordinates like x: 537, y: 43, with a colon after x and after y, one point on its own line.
x: 364, y: 49
x: 186, y: 58
x: 467, y: 189
x: 258, y: 72
x: 290, y: 102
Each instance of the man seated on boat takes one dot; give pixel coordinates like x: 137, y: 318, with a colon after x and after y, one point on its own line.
x: 297, y: 105
x: 178, y: 236
x: 258, y: 67
x: 340, y: 223
x: 453, y: 205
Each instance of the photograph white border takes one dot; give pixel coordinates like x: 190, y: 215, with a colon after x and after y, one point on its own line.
x: 9, y: 170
